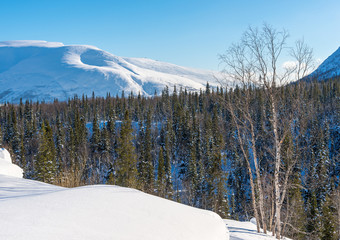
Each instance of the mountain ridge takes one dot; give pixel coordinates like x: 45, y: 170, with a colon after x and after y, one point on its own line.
x: 329, y: 68
x: 44, y: 71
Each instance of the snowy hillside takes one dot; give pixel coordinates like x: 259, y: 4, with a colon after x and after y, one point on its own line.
x: 329, y: 68
x: 32, y: 210
x: 42, y: 70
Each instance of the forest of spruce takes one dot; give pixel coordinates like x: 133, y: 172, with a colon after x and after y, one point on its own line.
x: 194, y: 148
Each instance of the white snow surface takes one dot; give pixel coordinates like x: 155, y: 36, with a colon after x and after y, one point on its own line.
x: 6, y: 165
x: 31, y: 210
x: 328, y: 68
x: 246, y: 231
x: 41, y: 70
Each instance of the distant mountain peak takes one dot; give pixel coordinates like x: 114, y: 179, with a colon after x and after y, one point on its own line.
x: 30, y: 43
x: 328, y: 68
x: 41, y: 70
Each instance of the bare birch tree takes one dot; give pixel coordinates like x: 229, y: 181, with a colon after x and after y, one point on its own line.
x: 242, y: 71
x: 254, y: 62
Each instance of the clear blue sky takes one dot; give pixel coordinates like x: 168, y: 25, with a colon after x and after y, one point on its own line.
x: 185, y: 32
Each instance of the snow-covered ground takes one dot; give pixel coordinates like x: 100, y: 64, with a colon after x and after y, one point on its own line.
x: 41, y: 70
x: 6, y: 166
x: 246, y: 231
x: 31, y: 210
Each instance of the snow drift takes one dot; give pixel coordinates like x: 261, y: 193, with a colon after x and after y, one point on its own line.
x: 40, y: 70
x: 247, y: 231
x: 6, y: 166
x: 32, y: 210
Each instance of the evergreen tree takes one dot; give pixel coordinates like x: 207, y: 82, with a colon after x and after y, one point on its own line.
x: 14, y: 135
x: 296, y: 208
x: 126, y: 166
x: 46, y: 158
x: 60, y: 145
x: 161, y: 174
x: 312, y: 224
x: 328, y: 222
x: 22, y: 154
x: 167, y: 163
x: 95, y: 138
x: 145, y: 165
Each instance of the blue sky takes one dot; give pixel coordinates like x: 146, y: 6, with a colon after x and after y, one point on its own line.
x: 189, y: 33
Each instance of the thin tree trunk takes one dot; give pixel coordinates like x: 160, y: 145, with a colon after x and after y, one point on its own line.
x: 277, y: 170
x: 253, y: 197
x: 272, y: 212
x: 338, y: 206
x: 287, y: 218
x: 258, y: 179
x: 252, y: 185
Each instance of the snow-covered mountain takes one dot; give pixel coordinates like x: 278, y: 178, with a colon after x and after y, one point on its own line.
x: 328, y: 68
x: 41, y: 70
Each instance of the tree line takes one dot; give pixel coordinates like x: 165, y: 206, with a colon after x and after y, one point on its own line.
x: 193, y: 148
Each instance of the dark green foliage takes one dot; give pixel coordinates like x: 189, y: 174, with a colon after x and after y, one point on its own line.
x: 161, y: 174
x: 145, y: 165
x: 328, y: 221
x: 126, y: 165
x: 46, y: 158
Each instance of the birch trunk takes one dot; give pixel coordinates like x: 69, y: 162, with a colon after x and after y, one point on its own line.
x: 259, y: 182
x: 277, y: 170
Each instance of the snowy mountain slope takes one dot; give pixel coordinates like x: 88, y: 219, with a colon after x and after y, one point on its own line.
x: 328, y: 68
x: 42, y: 70
x: 32, y: 210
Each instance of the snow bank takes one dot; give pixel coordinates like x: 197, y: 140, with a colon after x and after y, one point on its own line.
x: 247, y: 231
x: 33, y: 210
x: 6, y: 165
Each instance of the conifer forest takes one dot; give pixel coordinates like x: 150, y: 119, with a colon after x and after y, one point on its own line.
x: 191, y: 147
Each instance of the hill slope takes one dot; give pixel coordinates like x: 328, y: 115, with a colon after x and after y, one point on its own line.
x: 42, y: 70
x: 32, y: 210
x: 328, y: 68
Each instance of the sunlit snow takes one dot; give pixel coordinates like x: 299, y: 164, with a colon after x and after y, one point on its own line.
x: 32, y: 210
x: 41, y: 70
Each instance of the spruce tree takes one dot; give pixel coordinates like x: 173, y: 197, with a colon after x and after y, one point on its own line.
x: 328, y: 221
x: 46, y: 158
x: 14, y: 133
x: 60, y: 145
x: 312, y: 223
x: 161, y: 174
x: 95, y: 138
x: 168, y: 166
x: 145, y: 165
x: 126, y: 166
